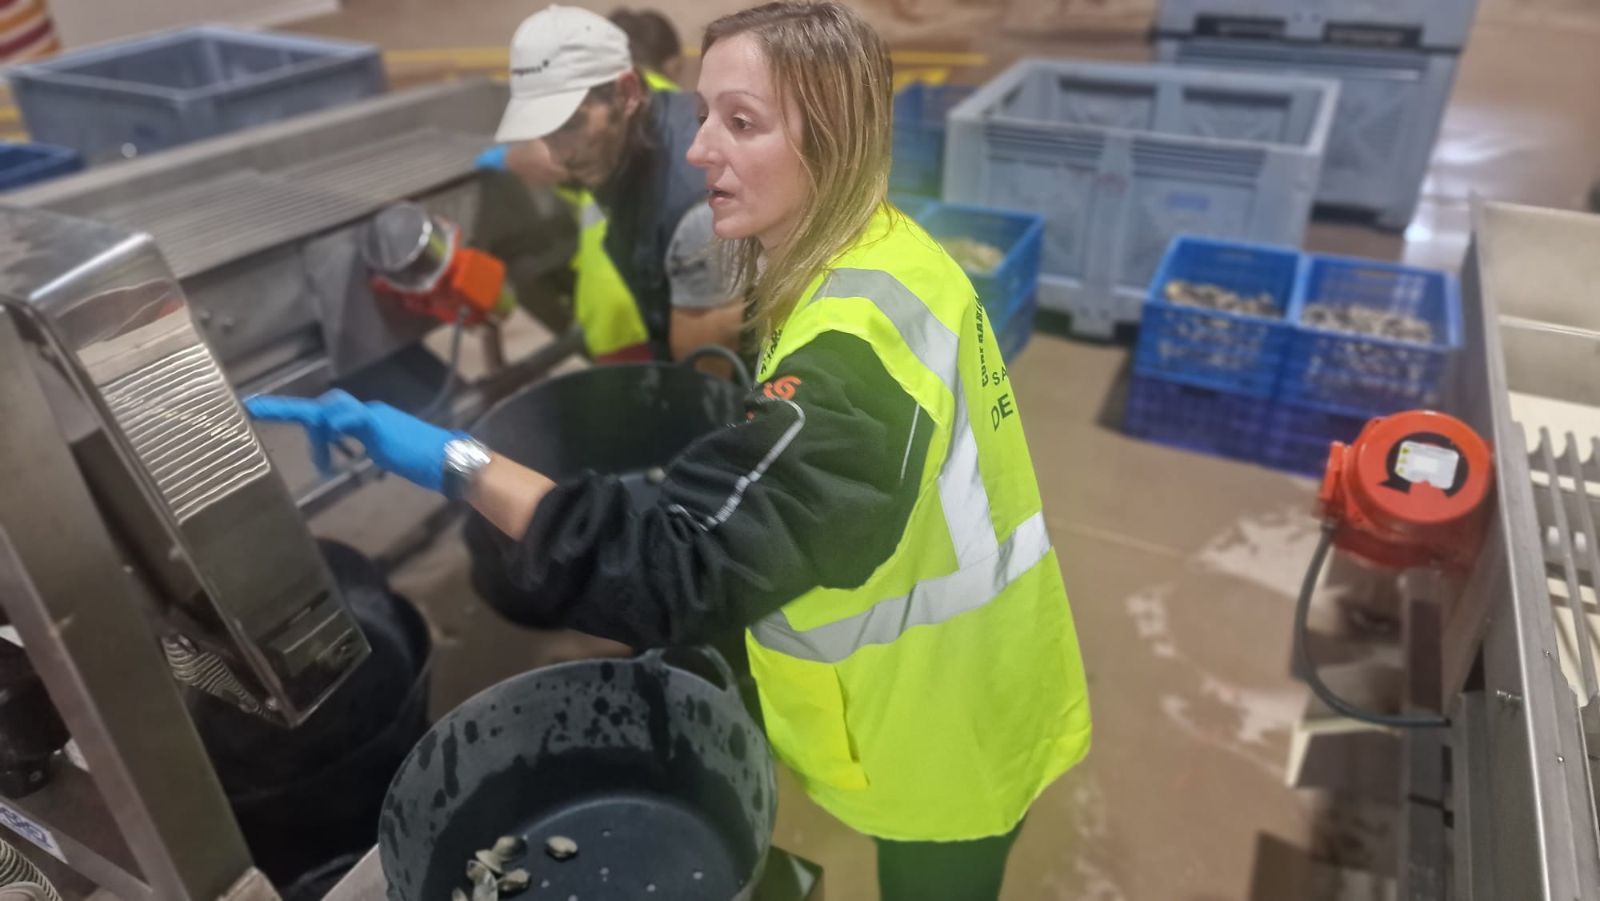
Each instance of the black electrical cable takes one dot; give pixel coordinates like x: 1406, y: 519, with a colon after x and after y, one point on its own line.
x: 1303, y: 656
x: 741, y: 372
x: 449, y: 387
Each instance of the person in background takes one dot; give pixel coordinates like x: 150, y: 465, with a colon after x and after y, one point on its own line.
x: 612, y: 137
x: 654, y: 44
x: 874, y: 520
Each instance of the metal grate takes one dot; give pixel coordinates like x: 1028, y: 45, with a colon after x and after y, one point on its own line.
x: 228, y: 218
x: 392, y: 169
x: 1565, y: 483
x: 20, y: 878
x: 187, y: 429
x: 204, y: 671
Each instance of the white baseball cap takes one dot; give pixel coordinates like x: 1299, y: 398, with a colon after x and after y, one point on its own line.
x: 557, y: 55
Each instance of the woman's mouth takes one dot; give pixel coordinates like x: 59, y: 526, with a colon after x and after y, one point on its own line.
x: 718, y: 197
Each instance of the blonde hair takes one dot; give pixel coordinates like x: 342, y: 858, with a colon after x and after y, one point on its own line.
x: 836, y: 70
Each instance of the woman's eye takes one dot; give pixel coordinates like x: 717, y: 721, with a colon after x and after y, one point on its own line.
x: 741, y: 124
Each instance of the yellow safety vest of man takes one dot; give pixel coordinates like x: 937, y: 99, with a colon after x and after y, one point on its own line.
x: 601, y: 301
x: 936, y: 701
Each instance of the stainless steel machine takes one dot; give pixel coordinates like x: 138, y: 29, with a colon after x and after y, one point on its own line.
x: 1502, y: 804
x: 144, y: 535
x: 148, y: 544
x: 264, y: 228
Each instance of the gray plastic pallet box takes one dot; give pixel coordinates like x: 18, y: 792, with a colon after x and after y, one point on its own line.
x: 1419, y: 23
x: 1121, y: 158
x: 1391, y: 104
x: 128, y: 98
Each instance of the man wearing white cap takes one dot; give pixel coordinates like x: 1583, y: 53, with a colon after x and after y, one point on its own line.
x: 576, y: 95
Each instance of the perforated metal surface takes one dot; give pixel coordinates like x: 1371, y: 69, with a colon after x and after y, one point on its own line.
x: 385, y: 171
x: 187, y: 429
x: 228, y: 218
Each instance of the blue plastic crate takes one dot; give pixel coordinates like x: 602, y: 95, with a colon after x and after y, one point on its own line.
x: 24, y: 164
x: 1213, y: 348
x: 1357, y: 374
x: 1209, y: 420
x: 919, y: 114
x: 1010, y: 286
x: 132, y: 97
x: 1013, y: 334
x: 1297, y: 436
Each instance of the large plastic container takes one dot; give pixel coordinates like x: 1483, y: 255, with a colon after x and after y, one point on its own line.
x: 1014, y: 333
x: 1217, y: 348
x: 1391, y: 104
x: 1372, y: 23
x: 1210, y: 420
x: 1006, y: 291
x: 23, y: 164
x: 919, y: 128
x: 1357, y: 374
x: 132, y: 97
x: 1119, y: 159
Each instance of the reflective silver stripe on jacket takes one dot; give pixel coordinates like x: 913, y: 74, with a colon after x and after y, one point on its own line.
x: 985, y: 565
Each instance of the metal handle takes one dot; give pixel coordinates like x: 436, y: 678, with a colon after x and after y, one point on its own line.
x: 658, y: 657
x: 741, y: 372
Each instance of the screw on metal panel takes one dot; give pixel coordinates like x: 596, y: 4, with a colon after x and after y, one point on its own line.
x: 1509, y: 699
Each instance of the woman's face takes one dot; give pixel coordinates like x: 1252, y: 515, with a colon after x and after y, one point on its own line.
x: 747, y: 144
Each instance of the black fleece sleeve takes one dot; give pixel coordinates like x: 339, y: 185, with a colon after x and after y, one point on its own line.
x: 812, y: 489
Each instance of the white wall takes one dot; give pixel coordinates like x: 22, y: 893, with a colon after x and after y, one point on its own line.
x: 81, y: 22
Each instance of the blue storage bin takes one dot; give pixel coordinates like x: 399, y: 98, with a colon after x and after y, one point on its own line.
x: 1209, y: 420
x: 1357, y: 374
x: 1213, y: 348
x: 919, y: 114
x: 1010, y: 286
x: 132, y: 97
x: 24, y: 164
x: 1013, y: 334
x: 1297, y: 436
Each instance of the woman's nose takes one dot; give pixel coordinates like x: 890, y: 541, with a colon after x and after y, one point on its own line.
x: 701, y: 154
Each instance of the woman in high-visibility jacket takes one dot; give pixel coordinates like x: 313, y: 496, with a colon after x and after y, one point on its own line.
x: 874, y: 521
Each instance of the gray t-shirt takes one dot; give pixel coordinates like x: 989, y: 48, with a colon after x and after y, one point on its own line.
x: 697, y: 270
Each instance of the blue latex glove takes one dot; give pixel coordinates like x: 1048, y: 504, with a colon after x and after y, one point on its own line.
x: 396, y: 441
x: 493, y: 158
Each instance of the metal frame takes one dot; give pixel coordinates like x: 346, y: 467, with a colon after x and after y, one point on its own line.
x: 1522, y: 794
x: 81, y: 616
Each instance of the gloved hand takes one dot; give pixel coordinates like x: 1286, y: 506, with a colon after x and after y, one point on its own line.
x: 396, y: 441
x: 493, y: 158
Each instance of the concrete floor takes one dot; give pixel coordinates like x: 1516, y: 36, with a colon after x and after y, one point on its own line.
x: 1181, y: 568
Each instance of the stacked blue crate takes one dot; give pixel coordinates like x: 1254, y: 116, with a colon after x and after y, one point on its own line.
x: 1204, y: 378
x: 1334, y: 381
x: 1280, y: 390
